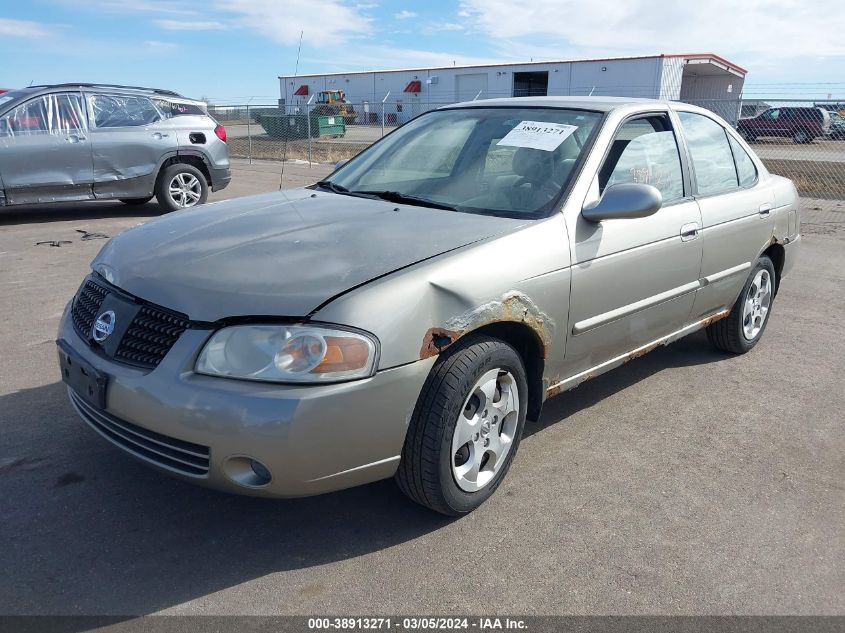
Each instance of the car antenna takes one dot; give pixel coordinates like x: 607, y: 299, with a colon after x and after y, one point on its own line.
x: 285, y: 147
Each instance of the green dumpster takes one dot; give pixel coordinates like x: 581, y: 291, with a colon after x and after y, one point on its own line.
x: 288, y: 126
x: 331, y: 125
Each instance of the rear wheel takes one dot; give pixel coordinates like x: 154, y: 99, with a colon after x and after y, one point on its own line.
x: 744, y: 326
x: 801, y: 137
x: 466, y: 427
x: 181, y: 186
x: 135, y: 201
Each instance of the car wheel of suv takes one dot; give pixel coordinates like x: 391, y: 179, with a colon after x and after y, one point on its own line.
x: 744, y: 326
x: 466, y: 427
x: 801, y: 137
x: 134, y: 201
x: 181, y: 186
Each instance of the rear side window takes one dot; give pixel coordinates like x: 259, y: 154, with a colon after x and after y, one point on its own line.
x: 117, y: 111
x: 645, y: 151
x: 171, y: 109
x: 745, y: 169
x: 48, y: 114
x: 711, y: 155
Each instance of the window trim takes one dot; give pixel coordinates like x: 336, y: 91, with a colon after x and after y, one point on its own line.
x: 728, y: 133
x: 685, y: 171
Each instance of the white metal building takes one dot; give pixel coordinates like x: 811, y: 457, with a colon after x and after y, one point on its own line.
x: 698, y: 77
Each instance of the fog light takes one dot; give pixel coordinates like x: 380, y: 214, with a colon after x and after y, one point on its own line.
x: 246, y: 471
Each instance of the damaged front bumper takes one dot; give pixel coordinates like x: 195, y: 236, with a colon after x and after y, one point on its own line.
x: 309, y: 439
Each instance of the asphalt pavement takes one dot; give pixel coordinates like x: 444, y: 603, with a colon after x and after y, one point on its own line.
x: 685, y: 482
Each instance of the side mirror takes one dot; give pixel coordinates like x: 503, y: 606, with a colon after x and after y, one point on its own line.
x: 624, y: 202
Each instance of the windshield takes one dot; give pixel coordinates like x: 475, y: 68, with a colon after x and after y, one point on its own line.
x: 13, y: 95
x: 501, y: 161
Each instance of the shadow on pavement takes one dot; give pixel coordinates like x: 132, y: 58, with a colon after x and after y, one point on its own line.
x: 87, y: 530
x: 61, y: 211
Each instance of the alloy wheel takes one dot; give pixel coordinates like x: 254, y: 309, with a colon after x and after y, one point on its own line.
x: 484, y: 431
x: 185, y: 190
x: 758, y: 299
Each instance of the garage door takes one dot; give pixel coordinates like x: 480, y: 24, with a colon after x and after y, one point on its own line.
x: 469, y: 85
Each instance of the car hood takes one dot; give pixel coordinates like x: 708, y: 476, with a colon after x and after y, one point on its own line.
x: 280, y: 254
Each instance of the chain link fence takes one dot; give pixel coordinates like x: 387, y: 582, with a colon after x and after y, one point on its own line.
x: 801, y: 139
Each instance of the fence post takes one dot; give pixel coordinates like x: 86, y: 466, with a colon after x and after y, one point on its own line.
x: 382, y: 111
x: 249, y: 134
x: 308, y: 123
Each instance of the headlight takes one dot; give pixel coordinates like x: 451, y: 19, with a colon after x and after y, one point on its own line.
x: 288, y: 353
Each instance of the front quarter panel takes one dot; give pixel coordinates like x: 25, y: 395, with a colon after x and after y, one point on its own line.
x: 521, y: 277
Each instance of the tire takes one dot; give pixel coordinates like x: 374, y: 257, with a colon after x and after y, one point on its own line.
x: 741, y: 331
x: 136, y: 201
x: 430, y: 471
x: 747, y: 136
x: 801, y: 137
x: 193, y: 193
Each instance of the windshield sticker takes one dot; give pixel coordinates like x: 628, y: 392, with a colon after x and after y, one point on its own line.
x: 538, y: 135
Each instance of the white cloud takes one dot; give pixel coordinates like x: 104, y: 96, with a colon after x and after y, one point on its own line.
x: 189, y: 25
x: 404, y: 15
x: 775, y: 28
x: 322, y: 22
x: 158, y: 45
x: 26, y: 29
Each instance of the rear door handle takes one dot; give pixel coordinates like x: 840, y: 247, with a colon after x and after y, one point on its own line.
x: 75, y: 138
x: 689, y: 231
x: 765, y: 209
x: 158, y: 136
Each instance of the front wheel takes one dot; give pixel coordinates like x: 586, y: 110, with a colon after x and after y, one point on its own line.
x: 181, y: 186
x: 744, y: 326
x: 466, y: 427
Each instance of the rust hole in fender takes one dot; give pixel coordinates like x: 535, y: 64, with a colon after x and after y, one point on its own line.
x: 436, y: 340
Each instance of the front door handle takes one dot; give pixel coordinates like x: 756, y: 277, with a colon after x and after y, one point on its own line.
x: 765, y: 209
x: 689, y: 231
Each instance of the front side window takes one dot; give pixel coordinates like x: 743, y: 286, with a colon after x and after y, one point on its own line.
x: 745, y: 169
x: 645, y: 151
x: 711, y: 155
x: 118, y: 111
x: 58, y: 114
x: 511, y: 161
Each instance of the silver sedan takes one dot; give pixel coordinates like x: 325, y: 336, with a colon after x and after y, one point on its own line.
x: 405, y: 317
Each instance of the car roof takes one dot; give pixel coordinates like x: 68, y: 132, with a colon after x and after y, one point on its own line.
x: 599, y: 104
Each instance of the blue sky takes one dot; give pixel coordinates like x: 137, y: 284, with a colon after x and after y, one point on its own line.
x: 228, y: 50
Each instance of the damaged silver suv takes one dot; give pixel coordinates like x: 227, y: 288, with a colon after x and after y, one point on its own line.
x: 93, y: 142
x: 405, y: 316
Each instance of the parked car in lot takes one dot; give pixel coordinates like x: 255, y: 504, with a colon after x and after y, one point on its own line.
x: 802, y: 125
x: 837, y: 126
x: 92, y: 142
x: 407, y: 315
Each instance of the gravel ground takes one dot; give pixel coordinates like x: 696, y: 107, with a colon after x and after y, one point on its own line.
x: 685, y: 482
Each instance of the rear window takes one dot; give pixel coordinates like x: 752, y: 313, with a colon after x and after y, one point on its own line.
x: 171, y: 109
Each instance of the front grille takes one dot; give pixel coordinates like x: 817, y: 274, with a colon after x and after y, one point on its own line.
x: 150, y: 336
x: 85, y: 307
x: 185, y: 458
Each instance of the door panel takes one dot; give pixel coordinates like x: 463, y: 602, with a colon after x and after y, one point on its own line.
x: 734, y: 232
x: 45, y: 150
x: 633, y: 282
x: 128, y: 141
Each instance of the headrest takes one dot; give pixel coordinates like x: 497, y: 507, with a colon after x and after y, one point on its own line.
x: 535, y: 165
